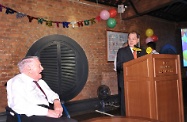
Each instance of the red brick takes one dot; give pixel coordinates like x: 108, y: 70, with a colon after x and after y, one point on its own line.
x: 18, y: 35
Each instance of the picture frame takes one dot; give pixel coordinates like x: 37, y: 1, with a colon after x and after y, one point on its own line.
x: 115, y: 40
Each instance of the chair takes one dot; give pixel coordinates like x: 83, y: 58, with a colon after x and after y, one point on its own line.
x: 11, y: 112
x: 65, y: 110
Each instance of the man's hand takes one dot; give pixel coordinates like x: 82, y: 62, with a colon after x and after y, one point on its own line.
x: 57, y: 112
x: 54, y: 114
x: 58, y: 107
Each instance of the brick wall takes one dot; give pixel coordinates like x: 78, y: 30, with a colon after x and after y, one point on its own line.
x: 18, y: 35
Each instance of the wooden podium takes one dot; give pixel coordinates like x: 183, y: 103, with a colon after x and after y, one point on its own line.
x: 153, y: 87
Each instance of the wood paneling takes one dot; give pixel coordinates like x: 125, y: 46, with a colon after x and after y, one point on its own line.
x: 153, y: 88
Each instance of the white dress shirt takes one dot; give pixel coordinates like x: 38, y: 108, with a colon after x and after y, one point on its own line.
x: 115, y: 61
x: 24, y: 96
x: 154, y: 52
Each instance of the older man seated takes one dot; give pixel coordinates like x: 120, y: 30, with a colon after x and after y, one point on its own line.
x: 30, y: 96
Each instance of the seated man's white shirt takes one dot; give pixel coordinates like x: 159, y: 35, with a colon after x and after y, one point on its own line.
x: 24, y: 96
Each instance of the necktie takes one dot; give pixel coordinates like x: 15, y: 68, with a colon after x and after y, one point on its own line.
x: 40, y: 88
x: 135, y: 54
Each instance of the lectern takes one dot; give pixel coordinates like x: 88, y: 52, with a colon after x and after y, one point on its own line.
x: 153, y: 87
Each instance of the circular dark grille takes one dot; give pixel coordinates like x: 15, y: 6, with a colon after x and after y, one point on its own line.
x: 65, y: 64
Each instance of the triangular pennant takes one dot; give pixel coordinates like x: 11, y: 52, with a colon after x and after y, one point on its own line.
x: 30, y: 18
x: 86, y: 22
x: 65, y: 24
x: 49, y: 23
x: 80, y: 23
x: 20, y: 15
x: 98, y: 18
x: 10, y: 11
x: 92, y: 21
x: 57, y: 24
x: 40, y: 20
x: 0, y: 8
x: 73, y: 24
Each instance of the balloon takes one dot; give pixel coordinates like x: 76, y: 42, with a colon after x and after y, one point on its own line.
x: 112, y: 12
x: 104, y: 14
x: 111, y: 22
x: 155, y: 38
x: 149, y: 32
x: 149, y: 39
x: 149, y: 50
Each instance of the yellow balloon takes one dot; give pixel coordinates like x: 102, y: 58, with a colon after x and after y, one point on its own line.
x: 149, y: 32
x: 149, y: 50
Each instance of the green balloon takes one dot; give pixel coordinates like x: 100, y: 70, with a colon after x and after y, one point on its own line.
x: 111, y: 22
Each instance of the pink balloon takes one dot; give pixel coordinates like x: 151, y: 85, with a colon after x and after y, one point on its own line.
x: 149, y: 39
x: 104, y: 14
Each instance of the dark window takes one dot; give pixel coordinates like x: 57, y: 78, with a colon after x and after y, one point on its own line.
x: 65, y: 64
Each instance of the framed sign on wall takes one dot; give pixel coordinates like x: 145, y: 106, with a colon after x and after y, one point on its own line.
x: 115, y: 40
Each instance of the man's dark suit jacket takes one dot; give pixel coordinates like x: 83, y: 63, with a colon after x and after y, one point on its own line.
x: 124, y: 55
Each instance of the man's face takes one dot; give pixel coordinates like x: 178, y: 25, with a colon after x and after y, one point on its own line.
x: 132, y: 39
x: 36, y: 69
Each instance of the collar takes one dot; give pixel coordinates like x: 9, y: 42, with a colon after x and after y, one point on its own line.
x: 29, y: 79
x: 131, y: 49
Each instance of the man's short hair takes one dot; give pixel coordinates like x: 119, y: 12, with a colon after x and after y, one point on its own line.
x: 152, y: 45
x: 25, y: 61
x: 134, y: 32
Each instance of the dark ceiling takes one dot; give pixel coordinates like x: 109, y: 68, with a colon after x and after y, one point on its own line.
x: 174, y: 10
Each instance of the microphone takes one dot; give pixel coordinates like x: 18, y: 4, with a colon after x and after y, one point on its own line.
x: 135, y: 48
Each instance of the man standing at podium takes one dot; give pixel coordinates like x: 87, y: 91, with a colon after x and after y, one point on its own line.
x: 123, y: 55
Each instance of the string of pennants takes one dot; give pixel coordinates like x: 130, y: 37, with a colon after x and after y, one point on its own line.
x: 50, y: 23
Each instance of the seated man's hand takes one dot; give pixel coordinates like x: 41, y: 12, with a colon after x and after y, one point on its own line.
x: 57, y: 106
x: 54, y: 114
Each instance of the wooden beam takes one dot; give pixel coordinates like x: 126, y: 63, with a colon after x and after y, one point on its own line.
x: 141, y: 7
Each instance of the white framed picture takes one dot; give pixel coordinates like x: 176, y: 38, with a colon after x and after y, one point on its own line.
x: 115, y: 40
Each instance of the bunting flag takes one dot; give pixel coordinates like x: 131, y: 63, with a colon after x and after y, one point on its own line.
x: 50, y: 23
x: 0, y: 8
x: 20, y: 15
x: 10, y: 11
x: 40, y: 20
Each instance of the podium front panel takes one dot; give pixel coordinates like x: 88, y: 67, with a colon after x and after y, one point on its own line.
x: 153, y: 87
x: 165, y: 67
x: 167, y: 97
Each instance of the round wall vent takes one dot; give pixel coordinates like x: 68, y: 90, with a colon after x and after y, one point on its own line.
x: 65, y: 64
